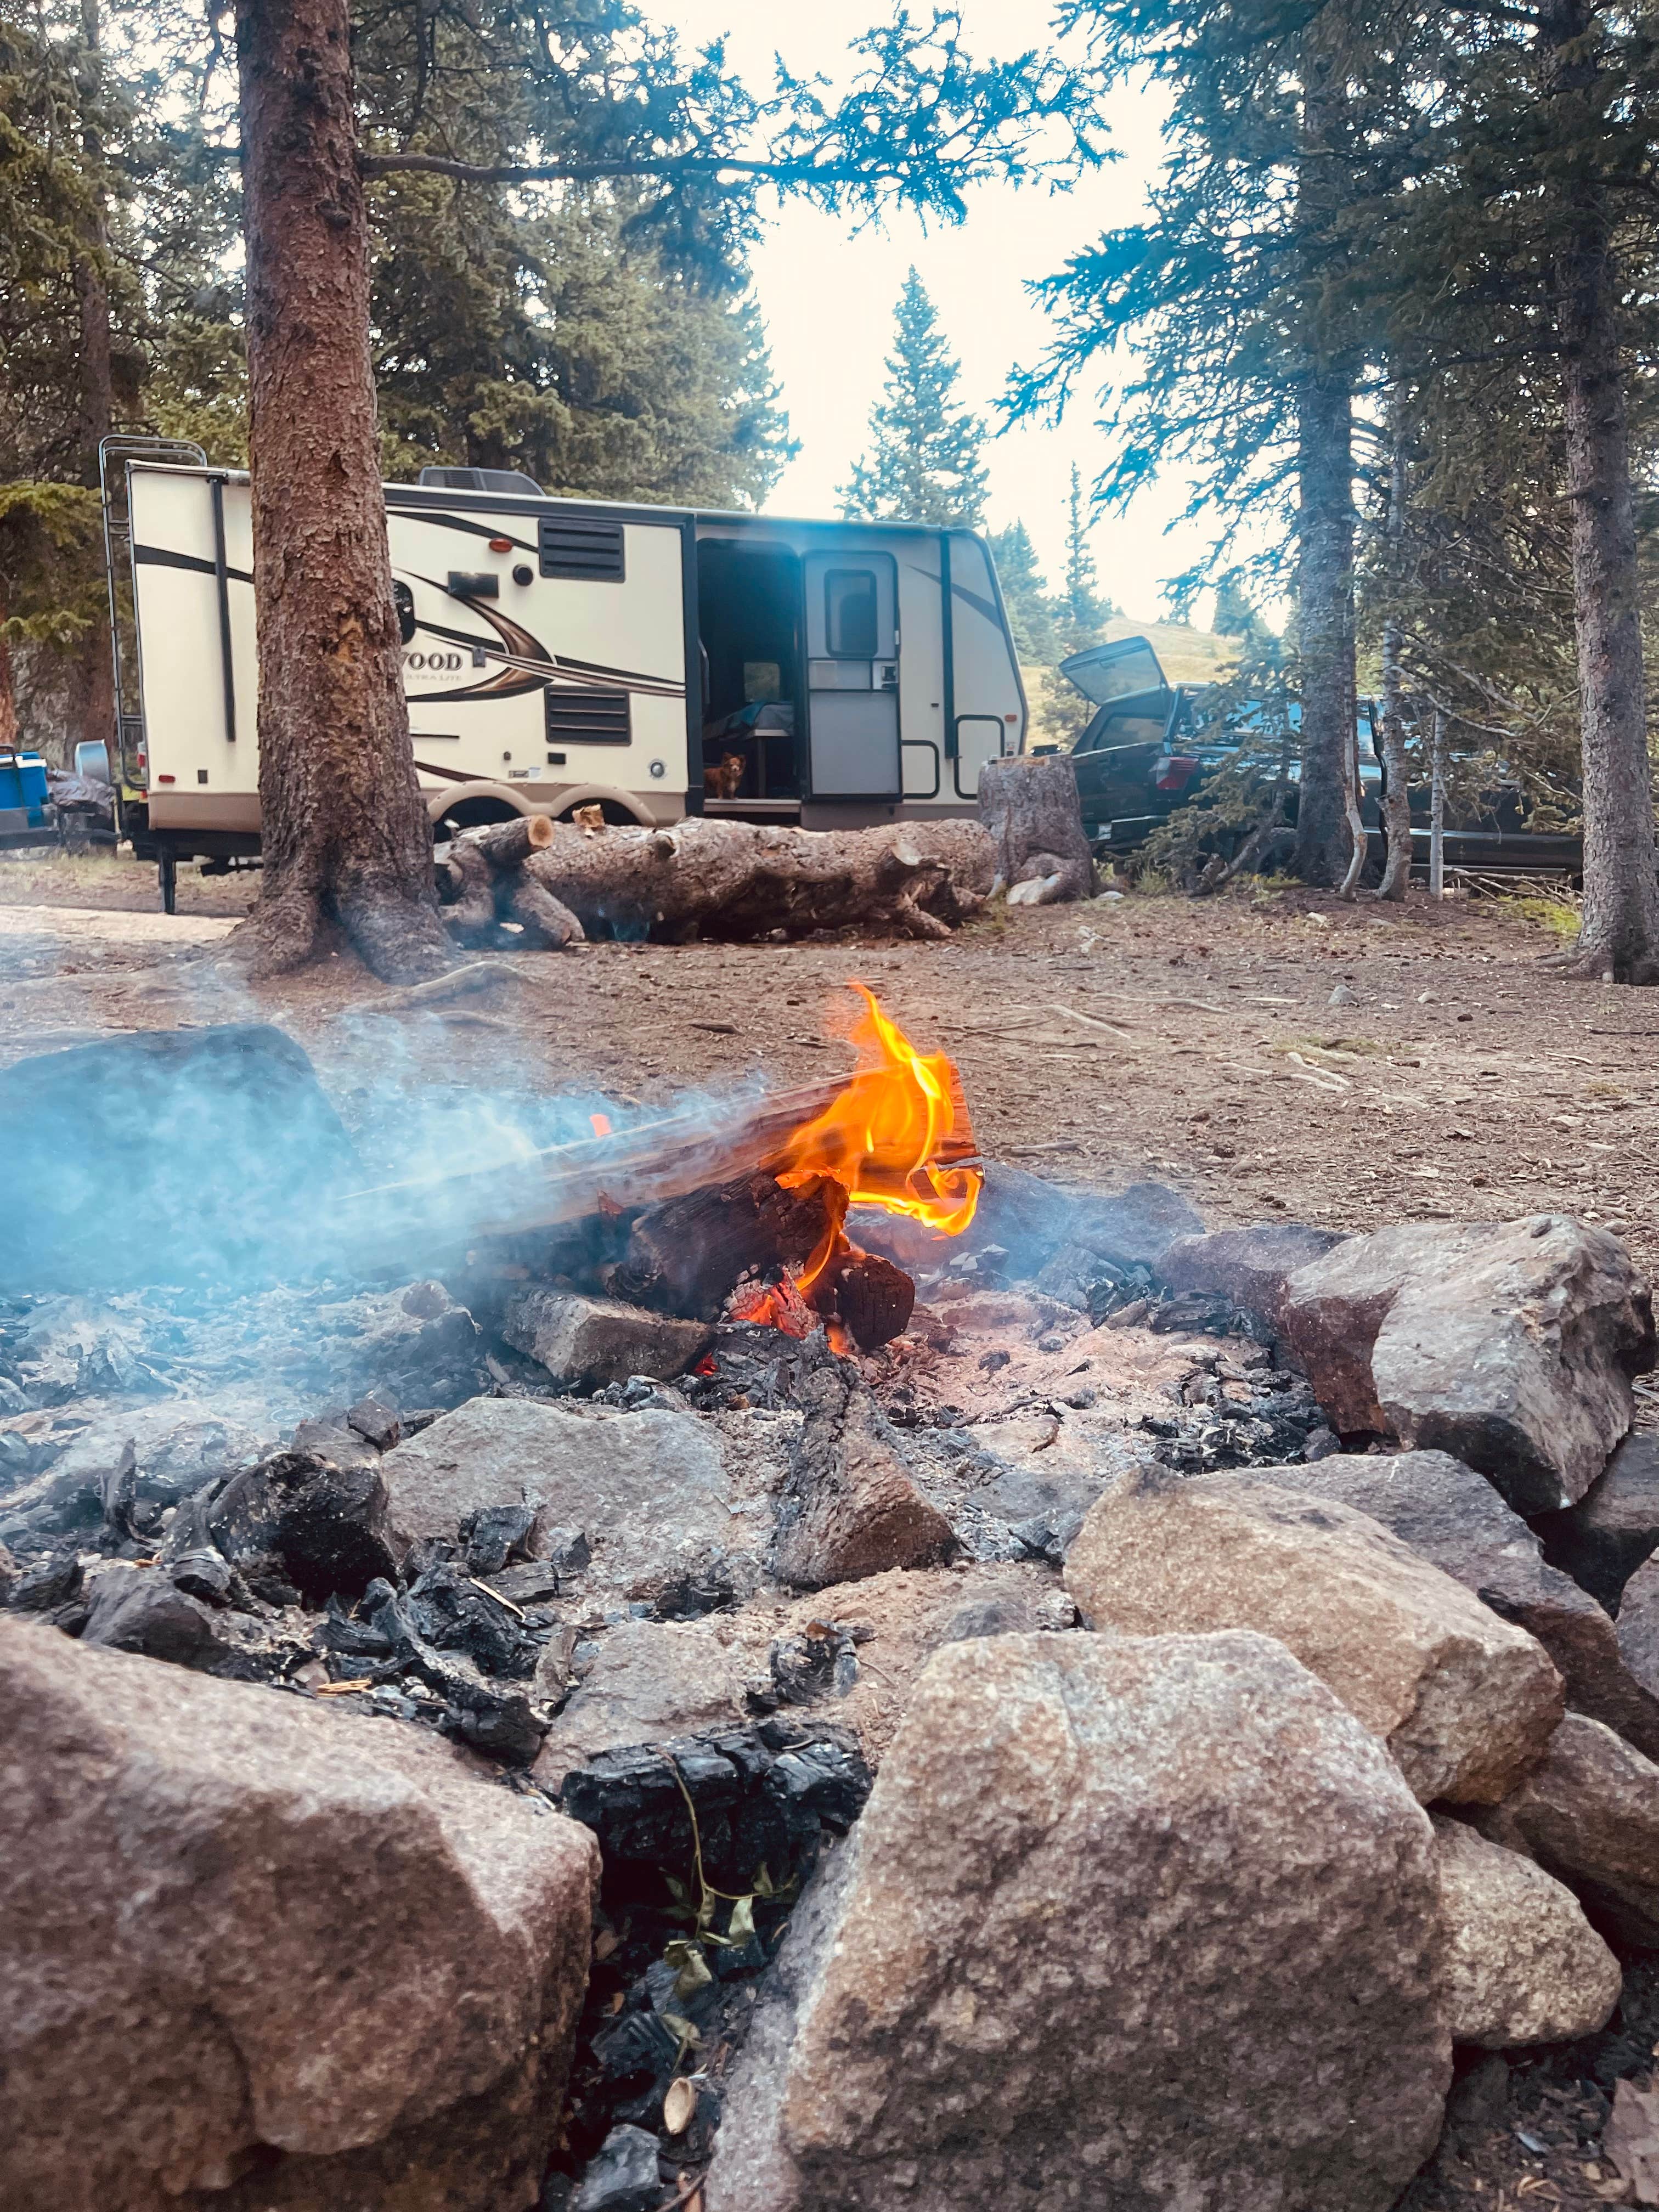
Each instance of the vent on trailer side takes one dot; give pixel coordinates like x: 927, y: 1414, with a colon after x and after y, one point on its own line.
x: 591, y: 551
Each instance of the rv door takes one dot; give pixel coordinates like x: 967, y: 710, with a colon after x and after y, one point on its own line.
x: 852, y: 674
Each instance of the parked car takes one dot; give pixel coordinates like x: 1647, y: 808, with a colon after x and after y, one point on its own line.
x: 1151, y: 747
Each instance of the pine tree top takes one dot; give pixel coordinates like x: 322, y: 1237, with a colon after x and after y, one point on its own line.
x: 923, y: 463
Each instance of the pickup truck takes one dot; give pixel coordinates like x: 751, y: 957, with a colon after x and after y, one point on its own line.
x: 1149, y: 749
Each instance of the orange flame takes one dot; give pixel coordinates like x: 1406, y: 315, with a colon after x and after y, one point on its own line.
x: 889, y: 1140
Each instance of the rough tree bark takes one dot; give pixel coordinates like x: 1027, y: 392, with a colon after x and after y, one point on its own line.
x: 1031, y: 808
x: 1325, y: 523
x: 727, y: 879
x: 344, y: 830
x: 8, y: 678
x: 1619, y: 936
x: 93, y: 679
x: 1396, y: 793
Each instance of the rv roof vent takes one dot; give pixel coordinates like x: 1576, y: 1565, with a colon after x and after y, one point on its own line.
x: 508, y: 480
x: 583, y: 546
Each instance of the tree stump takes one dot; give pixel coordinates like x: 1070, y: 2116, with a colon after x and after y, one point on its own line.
x: 1031, y: 808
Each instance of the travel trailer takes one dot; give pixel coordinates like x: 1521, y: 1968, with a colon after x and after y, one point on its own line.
x: 652, y: 661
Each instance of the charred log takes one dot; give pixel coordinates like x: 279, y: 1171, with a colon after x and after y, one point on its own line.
x: 875, y: 1299
x: 686, y: 1257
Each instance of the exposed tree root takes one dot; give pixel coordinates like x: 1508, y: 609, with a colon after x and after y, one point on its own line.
x: 398, y: 938
x: 1599, y: 963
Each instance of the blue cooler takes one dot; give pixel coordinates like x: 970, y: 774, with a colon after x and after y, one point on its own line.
x: 23, y: 810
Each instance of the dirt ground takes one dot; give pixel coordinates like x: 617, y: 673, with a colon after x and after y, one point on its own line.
x: 1137, y: 1036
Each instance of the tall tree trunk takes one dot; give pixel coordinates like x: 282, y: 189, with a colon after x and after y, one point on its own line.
x: 344, y: 830
x: 1396, y: 793
x: 8, y: 678
x: 1619, y: 937
x: 92, y: 685
x: 1325, y: 521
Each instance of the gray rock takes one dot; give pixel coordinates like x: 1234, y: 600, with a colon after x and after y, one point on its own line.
x: 849, y: 1508
x: 1602, y: 1540
x: 593, y: 1341
x: 1638, y: 1639
x: 1522, y: 1962
x: 1589, y: 1813
x: 1510, y: 1345
x: 378, y: 1419
x: 1466, y: 1702
x: 621, y: 2177
x: 323, y: 1962
x: 651, y: 1681
x: 1027, y: 1220
x: 1250, y: 1266
x: 333, y: 1438
x: 1088, y: 1865
x: 1448, y: 1514
x: 656, y: 1493
x: 139, y: 1610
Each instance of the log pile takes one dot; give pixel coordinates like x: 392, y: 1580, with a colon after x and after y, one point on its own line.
x: 560, y: 881
x: 684, y: 1220
x: 482, y: 882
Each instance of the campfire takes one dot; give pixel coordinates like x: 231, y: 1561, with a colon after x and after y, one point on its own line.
x: 894, y: 1139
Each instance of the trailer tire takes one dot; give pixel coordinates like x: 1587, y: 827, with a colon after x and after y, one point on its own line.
x: 472, y: 814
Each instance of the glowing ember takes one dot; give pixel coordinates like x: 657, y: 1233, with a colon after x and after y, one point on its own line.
x: 896, y: 1138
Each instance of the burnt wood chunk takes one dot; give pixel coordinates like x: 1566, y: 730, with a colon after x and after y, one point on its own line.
x: 876, y: 1300
x: 684, y: 1256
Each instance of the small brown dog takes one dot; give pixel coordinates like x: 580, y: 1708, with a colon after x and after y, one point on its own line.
x: 723, y: 782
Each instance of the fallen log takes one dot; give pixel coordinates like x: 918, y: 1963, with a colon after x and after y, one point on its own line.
x: 1030, y: 809
x: 719, y: 880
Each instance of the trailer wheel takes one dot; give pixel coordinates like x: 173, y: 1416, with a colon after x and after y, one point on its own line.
x: 167, y: 878
x: 471, y: 814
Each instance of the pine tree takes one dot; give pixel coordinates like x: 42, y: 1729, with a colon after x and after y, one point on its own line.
x: 1236, y: 616
x: 548, y: 338
x: 924, y: 459
x: 1083, y: 613
x: 1025, y: 595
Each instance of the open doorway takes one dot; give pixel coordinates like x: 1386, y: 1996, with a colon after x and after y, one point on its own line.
x: 749, y: 623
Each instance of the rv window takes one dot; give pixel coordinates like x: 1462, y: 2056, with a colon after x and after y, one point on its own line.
x: 404, y: 600
x: 850, y: 613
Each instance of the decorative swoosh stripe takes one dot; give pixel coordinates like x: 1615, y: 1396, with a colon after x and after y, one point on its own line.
x: 976, y: 600
x: 526, y: 664
x: 161, y: 556
x: 459, y: 522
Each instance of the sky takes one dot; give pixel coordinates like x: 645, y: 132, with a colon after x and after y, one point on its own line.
x: 828, y: 296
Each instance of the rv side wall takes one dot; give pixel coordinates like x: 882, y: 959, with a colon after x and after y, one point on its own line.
x: 544, y: 655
